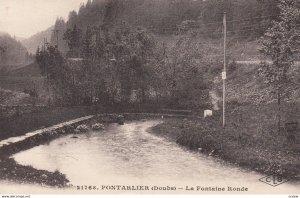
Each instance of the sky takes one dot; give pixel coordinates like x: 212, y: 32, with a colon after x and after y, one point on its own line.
x: 24, y: 18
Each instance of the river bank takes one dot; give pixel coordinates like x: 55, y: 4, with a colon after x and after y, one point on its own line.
x: 250, y: 139
x: 23, y: 122
x: 242, y: 143
x: 12, y: 171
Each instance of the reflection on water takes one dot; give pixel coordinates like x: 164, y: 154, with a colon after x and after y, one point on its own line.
x: 128, y: 154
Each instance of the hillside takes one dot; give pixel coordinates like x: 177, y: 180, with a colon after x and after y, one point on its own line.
x: 17, y: 84
x: 168, y: 22
x: 31, y: 70
x: 246, y: 19
x: 244, y: 86
x: 12, y: 52
x: 33, y: 42
x: 22, y: 78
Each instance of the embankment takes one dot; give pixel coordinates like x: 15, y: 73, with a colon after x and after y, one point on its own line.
x: 11, y: 171
x: 23, y: 119
x: 250, y: 139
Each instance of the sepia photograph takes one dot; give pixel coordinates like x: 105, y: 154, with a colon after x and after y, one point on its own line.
x: 149, y: 97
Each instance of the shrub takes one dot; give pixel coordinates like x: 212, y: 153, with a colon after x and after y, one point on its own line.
x: 82, y: 128
x: 97, y: 126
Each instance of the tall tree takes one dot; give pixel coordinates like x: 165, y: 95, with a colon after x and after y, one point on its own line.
x: 73, y: 37
x: 57, y: 35
x: 87, y: 44
x: 280, y: 43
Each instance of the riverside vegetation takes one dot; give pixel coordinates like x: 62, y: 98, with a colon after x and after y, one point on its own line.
x: 249, y: 140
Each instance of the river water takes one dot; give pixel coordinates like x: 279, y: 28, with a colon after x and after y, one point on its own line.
x: 129, y: 155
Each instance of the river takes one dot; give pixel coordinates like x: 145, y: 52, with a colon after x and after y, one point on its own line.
x: 129, y: 155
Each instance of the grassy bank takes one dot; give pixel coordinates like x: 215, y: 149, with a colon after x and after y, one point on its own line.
x: 11, y: 171
x: 20, y: 125
x: 250, y: 139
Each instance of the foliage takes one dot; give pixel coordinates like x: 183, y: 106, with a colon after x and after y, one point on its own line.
x: 281, y: 43
x: 53, y: 67
x: 50, y: 61
x: 123, y: 64
x: 107, y: 65
x: 57, y: 35
x: 74, y: 39
x: 120, y: 63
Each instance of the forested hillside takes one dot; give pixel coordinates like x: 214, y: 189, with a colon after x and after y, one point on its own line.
x: 12, y: 52
x: 136, y: 51
x: 246, y: 19
x: 36, y: 40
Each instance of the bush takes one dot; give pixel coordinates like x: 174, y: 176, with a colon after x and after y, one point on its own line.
x: 97, y: 126
x: 82, y: 128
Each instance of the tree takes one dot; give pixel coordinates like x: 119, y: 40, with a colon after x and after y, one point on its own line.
x: 73, y: 37
x: 280, y: 43
x: 73, y: 18
x: 113, y: 11
x: 183, y: 72
x: 53, y: 67
x: 57, y: 35
x: 50, y: 61
x: 87, y: 44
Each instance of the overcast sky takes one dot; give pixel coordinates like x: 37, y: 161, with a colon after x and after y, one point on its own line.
x: 24, y: 18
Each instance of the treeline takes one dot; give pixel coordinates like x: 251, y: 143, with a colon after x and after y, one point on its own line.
x: 109, y: 53
x: 125, y: 65
x: 246, y: 19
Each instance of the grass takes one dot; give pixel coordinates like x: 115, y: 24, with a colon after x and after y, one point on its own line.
x: 20, y: 125
x: 11, y: 171
x: 249, y: 140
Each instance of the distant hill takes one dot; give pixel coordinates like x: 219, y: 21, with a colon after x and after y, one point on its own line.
x: 12, y: 52
x: 33, y: 42
x: 15, y: 37
x: 20, y: 38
